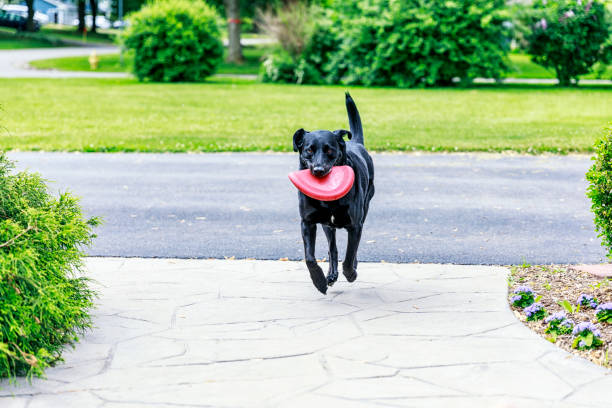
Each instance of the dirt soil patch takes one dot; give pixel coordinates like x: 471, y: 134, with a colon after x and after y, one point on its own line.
x: 555, y: 283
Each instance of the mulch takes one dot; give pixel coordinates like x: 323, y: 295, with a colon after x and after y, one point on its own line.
x: 555, y: 283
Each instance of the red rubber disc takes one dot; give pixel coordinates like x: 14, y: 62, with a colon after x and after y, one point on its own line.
x: 336, y: 184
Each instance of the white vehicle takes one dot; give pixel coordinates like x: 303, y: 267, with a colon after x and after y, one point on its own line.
x: 101, y: 21
x: 23, y: 11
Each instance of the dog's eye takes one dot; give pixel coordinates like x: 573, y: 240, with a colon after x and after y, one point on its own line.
x: 329, y: 151
x: 309, y: 150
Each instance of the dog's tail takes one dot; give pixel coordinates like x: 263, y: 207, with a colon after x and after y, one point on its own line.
x: 354, y: 120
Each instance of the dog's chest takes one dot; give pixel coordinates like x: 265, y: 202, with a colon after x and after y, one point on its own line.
x: 335, y: 216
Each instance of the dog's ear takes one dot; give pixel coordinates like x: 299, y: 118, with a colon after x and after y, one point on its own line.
x: 298, y: 139
x: 341, y: 132
x: 341, y: 144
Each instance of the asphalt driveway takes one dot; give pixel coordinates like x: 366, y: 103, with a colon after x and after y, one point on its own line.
x: 442, y: 208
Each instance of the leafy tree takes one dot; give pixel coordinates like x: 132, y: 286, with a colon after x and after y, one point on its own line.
x: 569, y: 36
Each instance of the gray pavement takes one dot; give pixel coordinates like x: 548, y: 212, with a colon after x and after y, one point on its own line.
x: 202, y: 333
x: 431, y: 208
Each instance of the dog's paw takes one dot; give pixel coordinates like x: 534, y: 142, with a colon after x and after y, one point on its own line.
x: 332, y: 277
x: 318, y: 277
x: 349, y: 273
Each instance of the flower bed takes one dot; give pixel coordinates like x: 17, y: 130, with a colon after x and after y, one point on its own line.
x: 570, y: 308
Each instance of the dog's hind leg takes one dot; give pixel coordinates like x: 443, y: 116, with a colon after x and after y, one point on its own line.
x: 332, y: 275
x: 309, y: 235
x: 349, y: 265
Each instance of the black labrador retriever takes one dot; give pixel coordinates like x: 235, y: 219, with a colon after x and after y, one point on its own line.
x: 319, y: 152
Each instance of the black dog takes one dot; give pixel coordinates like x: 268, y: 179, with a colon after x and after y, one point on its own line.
x: 319, y: 152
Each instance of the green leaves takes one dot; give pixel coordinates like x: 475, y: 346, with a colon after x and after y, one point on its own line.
x: 401, y: 43
x: 599, y: 177
x: 42, y: 304
x: 569, y: 308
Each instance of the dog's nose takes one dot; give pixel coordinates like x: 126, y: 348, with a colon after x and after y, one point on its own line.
x: 318, y: 171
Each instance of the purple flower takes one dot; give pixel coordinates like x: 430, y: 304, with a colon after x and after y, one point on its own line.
x: 569, y: 14
x: 605, y: 306
x: 543, y: 24
x: 588, y: 6
x: 533, y: 309
x: 581, y: 343
x: 556, y: 316
x: 523, y: 289
x: 586, y: 326
x: 568, y: 323
x: 587, y: 300
x: 515, y: 298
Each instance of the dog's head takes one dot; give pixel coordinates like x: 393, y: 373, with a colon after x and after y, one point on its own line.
x: 320, y: 150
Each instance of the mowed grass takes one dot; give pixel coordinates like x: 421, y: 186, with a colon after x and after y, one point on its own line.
x: 520, y: 65
x: 232, y: 115
x: 114, y: 63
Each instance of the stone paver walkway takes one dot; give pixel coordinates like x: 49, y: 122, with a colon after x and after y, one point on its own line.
x: 199, y: 333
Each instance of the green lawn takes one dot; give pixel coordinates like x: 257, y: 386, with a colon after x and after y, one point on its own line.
x: 112, y: 63
x: 233, y: 115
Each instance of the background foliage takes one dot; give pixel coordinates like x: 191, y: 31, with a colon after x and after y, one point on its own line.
x: 174, y: 40
x: 43, y: 304
x: 402, y: 43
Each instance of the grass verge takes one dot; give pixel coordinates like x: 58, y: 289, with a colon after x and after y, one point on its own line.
x: 520, y: 65
x: 236, y: 115
x: 114, y: 63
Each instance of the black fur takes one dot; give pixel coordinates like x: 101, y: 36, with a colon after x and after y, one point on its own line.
x: 319, y: 152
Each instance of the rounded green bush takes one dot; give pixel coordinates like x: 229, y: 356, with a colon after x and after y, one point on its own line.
x: 43, y: 303
x: 600, y: 189
x: 174, y: 40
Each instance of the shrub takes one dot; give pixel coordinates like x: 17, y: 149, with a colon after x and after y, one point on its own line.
x: 43, y: 304
x: 569, y: 36
x: 599, y: 190
x: 523, y: 297
x: 404, y: 43
x: 174, y: 40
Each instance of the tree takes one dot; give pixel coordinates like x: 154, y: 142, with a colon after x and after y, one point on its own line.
x: 232, y: 11
x: 30, y: 22
x: 81, y: 14
x: 93, y: 4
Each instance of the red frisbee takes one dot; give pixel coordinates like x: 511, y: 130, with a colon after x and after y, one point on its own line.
x: 333, y: 186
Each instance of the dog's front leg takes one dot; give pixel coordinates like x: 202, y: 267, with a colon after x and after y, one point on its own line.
x: 349, y: 265
x: 332, y: 274
x: 309, y: 235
